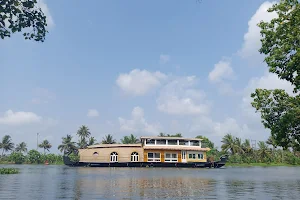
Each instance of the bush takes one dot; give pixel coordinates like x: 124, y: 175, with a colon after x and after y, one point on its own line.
x: 74, y: 157
x: 34, y: 157
x: 17, y: 158
x: 9, y: 171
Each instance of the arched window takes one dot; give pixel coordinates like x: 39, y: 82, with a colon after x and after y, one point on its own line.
x: 114, y: 157
x: 95, y: 154
x: 134, y: 157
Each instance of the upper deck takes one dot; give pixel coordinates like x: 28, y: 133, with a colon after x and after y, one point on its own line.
x: 178, y: 143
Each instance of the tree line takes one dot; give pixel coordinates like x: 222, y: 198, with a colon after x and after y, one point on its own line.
x: 19, y: 153
x: 239, y: 151
x: 261, y: 152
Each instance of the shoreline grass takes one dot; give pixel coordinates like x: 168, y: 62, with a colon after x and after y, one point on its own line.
x: 12, y: 163
x: 260, y: 165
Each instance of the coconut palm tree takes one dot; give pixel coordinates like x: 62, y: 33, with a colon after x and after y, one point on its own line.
x: 229, y: 144
x: 130, y: 139
x: 238, y: 145
x: 67, y: 146
x: 22, y: 147
x: 6, y: 144
x: 92, y: 141
x: 247, y: 146
x: 263, y: 151
x: 82, y: 143
x: 83, y: 132
x: 108, y: 139
x: 45, y: 145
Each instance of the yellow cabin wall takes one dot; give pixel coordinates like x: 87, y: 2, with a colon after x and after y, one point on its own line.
x: 124, y: 154
x: 196, y: 160
x: 162, y: 154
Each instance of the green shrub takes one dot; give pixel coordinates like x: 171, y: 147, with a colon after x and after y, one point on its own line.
x: 9, y: 171
x: 17, y: 158
x: 74, y: 157
x: 34, y: 157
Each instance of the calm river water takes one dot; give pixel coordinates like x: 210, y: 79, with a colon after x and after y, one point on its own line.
x: 62, y: 182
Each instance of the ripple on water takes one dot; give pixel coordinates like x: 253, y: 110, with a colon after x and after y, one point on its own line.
x: 61, y: 182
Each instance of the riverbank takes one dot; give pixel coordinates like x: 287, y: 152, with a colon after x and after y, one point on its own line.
x: 259, y: 165
x: 11, y: 163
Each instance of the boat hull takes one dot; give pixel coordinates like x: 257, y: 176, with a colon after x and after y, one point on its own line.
x: 217, y: 164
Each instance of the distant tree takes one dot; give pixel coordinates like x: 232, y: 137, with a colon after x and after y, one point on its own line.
x: 45, y: 145
x: 22, y: 147
x: 169, y: 135
x: 271, y: 141
x: 280, y: 45
x: 280, y: 41
x: 82, y: 143
x: 162, y: 135
x: 239, y: 145
x: 130, y: 139
x: 280, y: 113
x: 229, y: 144
x: 263, y: 151
x: 247, y: 146
x: 19, y: 15
x: 84, y: 132
x: 92, y: 141
x: 175, y: 135
x: 108, y: 139
x: 6, y: 144
x: 67, y: 146
x: 34, y: 156
x: 206, y: 142
x: 17, y: 157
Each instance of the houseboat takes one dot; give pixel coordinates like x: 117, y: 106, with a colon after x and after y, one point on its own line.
x: 150, y: 152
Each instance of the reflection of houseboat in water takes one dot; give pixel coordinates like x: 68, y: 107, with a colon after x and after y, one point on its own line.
x: 151, y: 152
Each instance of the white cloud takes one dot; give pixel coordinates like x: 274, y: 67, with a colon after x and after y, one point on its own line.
x: 19, y: 118
x: 252, y: 37
x: 163, y: 58
x: 92, y: 113
x: 222, y: 70
x: 206, y: 126
x: 180, y: 97
x: 139, y: 82
x: 42, y: 4
x: 138, y: 123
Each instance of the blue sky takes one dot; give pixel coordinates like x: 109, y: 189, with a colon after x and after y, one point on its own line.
x: 140, y: 67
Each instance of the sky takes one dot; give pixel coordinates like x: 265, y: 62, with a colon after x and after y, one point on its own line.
x: 137, y: 67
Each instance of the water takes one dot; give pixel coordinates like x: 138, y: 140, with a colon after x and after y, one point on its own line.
x: 62, y: 182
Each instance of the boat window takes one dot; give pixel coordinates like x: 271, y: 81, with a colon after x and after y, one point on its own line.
x: 192, y: 156
x: 134, y: 157
x: 171, y: 157
x: 114, y: 157
x: 95, y: 154
x: 182, y: 142
x: 149, y: 141
x: 160, y: 142
x: 200, y: 156
x: 153, y: 157
x: 172, y: 142
x: 195, y: 143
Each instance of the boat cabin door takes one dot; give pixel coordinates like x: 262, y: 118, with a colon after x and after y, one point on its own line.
x: 183, y: 156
